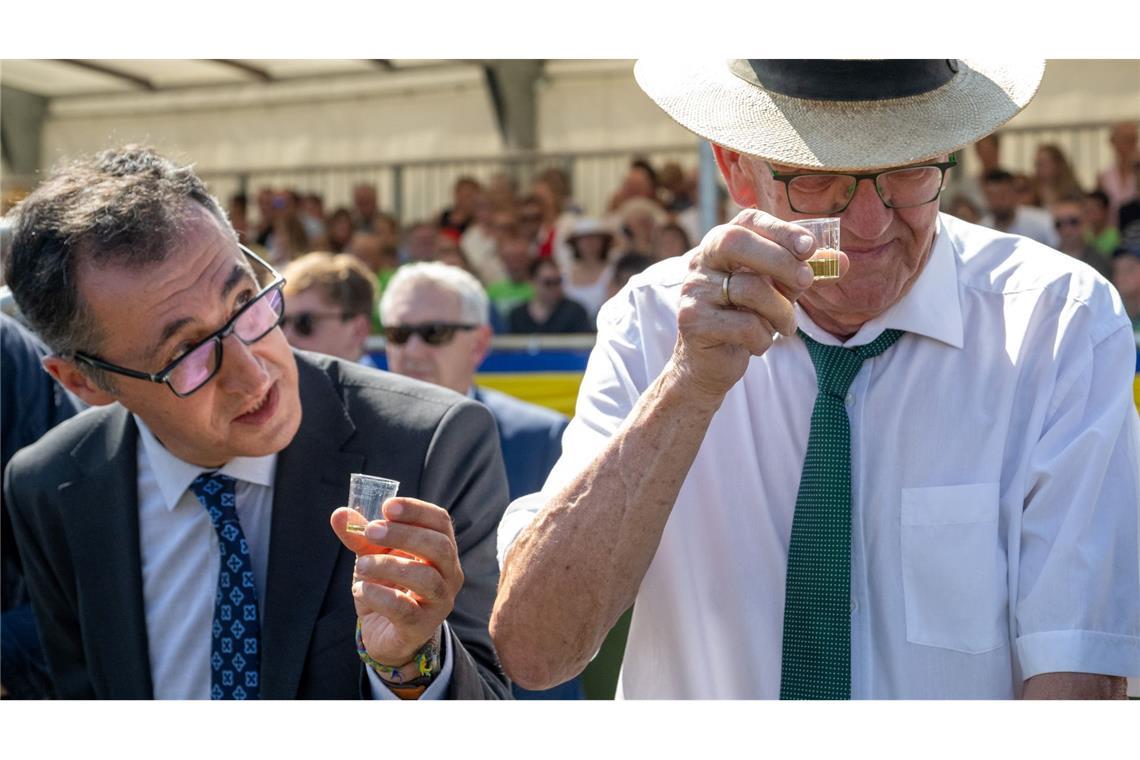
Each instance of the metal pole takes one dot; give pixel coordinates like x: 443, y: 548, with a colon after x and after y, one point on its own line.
x: 706, y: 188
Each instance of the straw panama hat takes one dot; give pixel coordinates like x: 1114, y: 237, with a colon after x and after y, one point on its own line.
x: 844, y: 115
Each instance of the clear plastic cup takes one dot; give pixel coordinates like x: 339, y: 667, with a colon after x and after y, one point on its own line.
x: 824, y: 261
x: 366, y: 494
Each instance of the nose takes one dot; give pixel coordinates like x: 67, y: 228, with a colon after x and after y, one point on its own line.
x: 243, y: 370
x: 866, y: 217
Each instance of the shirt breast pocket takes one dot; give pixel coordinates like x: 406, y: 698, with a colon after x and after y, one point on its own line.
x: 954, y: 568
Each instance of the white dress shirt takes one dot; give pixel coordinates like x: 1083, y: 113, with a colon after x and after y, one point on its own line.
x: 995, y: 485
x: 180, y: 566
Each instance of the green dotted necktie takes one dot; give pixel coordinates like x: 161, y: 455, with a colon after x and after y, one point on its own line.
x: 817, y: 602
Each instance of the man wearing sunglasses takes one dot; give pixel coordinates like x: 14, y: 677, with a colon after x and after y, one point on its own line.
x: 329, y: 300
x: 917, y: 480
x: 437, y: 330
x: 176, y: 540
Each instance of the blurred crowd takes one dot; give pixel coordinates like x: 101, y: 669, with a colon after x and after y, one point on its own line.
x: 545, y: 265
x: 1099, y: 225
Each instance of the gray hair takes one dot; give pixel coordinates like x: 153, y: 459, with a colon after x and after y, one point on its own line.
x: 474, y: 306
x: 124, y: 207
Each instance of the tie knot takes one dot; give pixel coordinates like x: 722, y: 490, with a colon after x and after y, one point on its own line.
x: 836, y: 366
x: 215, y: 492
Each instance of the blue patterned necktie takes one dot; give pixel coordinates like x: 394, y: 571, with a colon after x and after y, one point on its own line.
x: 235, y: 659
x: 816, y: 658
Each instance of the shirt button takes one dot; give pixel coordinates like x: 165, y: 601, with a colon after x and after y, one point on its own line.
x: 850, y: 399
x: 854, y: 605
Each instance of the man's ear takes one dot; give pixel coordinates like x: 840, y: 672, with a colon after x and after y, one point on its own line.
x: 482, y: 346
x: 737, y: 175
x: 361, y: 327
x: 74, y: 379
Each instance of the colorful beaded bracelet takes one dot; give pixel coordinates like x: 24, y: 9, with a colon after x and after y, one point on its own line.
x: 426, y: 659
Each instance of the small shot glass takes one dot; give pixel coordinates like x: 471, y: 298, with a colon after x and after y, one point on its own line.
x: 824, y: 261
x: 366, y: 494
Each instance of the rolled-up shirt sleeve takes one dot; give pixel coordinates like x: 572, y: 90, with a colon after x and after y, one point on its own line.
x: 1078, y: 585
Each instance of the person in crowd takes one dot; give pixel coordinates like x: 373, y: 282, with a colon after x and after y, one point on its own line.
x: 339, y: 230
x: 1053, y: 175
x: 461, y: 214
x: 364, y: 206
x: 448, y: 251
x: 503, y: 190
x: 481, y: 240
x: 419, y: 242
x: 1119, y: 180
x: 987, y: 151
x: 266, y: 214
x: 873, y: 487
x: 674, y: 186
x: 312, y: 214
x: 1100, y: 232
x: 1068, y: 220
x: 388, y: 228
x: 626, y: 267
x: 329, y: 301
x: 173, y: 582
x: 370, y: 249
x: 32, y: 404
x: 964, y: 208
x: 670, y: 239
x: 586, y: 280
x: 287, y: 239
x: 556, y: 220
x: 436, y: 330
x: 531, y: 213
x: 516, y: 252
x: 1126, y: 278
x: 640, y: 182
x: 639, y: 220
x: 238, y: 213
x: 559, y: 183
x: 548, y: 310
x: 1006, y: 214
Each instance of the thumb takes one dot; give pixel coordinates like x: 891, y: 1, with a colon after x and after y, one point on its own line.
x: 356, y: 542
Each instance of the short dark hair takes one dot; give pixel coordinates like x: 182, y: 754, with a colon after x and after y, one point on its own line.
x: 127, y: 206
x: 1099, y: 196
x: 997, y: 175
x: 630, y: 264
x: 539, y: 263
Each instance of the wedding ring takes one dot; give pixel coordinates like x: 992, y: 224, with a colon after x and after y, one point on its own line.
x: 725, y: 298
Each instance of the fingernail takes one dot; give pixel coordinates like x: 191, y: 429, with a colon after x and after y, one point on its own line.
x: 396, y: 509
x: 805, y: 276
x: 804, y: 243
x: 376, y: 531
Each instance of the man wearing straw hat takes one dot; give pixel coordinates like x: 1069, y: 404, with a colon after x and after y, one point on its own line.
x: 917, y: 481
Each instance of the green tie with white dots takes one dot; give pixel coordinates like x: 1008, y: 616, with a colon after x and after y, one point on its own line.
x: 817, y: 601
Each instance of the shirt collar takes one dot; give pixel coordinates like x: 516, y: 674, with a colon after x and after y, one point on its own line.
x: 931, y: 307
x: 175, y: 475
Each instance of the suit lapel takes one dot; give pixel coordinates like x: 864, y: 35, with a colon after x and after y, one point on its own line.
x: 101, y: 516
x: 311, y: 481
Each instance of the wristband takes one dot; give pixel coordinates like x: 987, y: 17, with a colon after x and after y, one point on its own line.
x: 426, y: 659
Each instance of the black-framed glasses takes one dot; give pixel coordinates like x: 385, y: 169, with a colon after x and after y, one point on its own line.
x: 304, y: 323
x: 826, y: 194
x: 432, y: 333
x: 201, y: 361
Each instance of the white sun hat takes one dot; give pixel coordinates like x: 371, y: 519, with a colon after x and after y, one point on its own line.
x: 846, y: 115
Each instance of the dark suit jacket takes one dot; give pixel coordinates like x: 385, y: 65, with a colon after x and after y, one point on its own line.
x: 73, y: 498
x: 531, y: 438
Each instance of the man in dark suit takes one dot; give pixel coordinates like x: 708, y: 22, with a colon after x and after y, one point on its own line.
x: 130, y: 272
x: 436, y: 329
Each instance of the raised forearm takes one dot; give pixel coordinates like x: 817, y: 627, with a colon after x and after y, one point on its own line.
x: 1075, y: 686
x: 577, y: 567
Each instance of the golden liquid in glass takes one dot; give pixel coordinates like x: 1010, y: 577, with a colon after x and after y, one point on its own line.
x: 824, y: 265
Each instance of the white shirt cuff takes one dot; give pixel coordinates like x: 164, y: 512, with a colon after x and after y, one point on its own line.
x: 438, y: 687
x: 1107, y: 654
